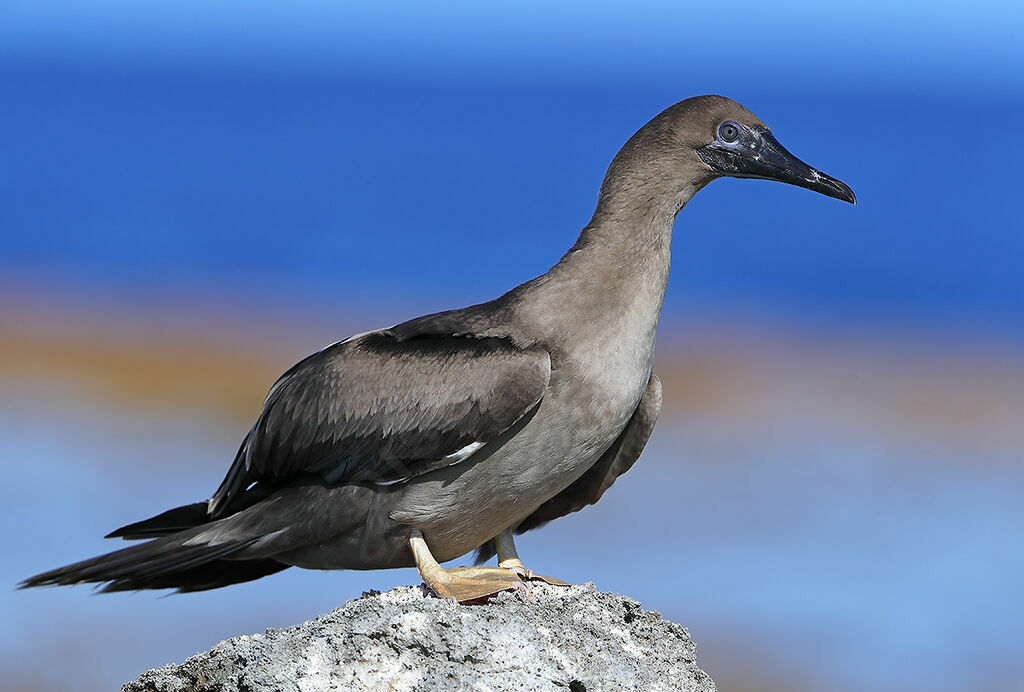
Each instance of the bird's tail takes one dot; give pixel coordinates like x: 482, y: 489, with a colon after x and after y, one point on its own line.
x: 179, y: 557
x: 189, y: 551
x: 163, y: 563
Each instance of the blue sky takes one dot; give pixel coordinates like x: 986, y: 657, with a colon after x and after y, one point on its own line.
x: 917, y: 40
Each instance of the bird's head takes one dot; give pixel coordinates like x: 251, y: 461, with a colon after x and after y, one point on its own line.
x: 731, y: 141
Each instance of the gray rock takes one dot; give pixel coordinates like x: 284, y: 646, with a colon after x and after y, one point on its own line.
x: 573, y: 638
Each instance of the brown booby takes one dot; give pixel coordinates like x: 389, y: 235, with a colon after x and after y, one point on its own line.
x: 418, y: 443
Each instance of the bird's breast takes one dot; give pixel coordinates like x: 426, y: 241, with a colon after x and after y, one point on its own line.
x: 590, y: 398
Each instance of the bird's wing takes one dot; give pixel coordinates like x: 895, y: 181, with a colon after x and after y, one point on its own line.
x: 380, y: 409
x: 616, y: 460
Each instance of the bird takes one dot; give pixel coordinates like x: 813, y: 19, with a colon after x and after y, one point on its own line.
x: 416, y: 444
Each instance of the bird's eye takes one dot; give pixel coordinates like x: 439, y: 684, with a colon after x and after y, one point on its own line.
x: 728, y: 132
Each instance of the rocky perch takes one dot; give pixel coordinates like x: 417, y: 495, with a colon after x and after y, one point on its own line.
x: 574, y: 638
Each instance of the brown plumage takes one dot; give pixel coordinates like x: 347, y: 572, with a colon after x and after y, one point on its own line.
x: 450, y: 432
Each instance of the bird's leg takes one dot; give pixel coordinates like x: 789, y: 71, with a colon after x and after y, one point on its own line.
x: 508, y: 559
x: 464, y: 584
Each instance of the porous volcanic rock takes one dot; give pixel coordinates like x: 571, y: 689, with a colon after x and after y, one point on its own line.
x: 574, y: 638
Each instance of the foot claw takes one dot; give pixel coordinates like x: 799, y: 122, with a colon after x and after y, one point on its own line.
x: 520, y: 572
x: 548, y: 580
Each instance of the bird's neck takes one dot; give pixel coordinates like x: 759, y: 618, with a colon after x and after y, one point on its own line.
x: 611, y: 284
x: 626, y: 247
x: 619, y: 254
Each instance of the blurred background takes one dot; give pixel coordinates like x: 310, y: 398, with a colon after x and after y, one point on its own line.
x: 195, y: 195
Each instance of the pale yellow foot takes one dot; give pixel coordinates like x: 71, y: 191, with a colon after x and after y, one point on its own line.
x: 467, y: 584
x: 464, y: 584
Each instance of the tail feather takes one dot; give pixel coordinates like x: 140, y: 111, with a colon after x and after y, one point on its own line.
x: 485, y: 553
x: 189, y: 551
x: 171, y: 521
x: 212, y: 575
x: 181, y: 560
x: 189, y: 516
x: 160, y: 564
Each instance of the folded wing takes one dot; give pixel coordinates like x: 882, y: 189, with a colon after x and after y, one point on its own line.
x: 381, y: 409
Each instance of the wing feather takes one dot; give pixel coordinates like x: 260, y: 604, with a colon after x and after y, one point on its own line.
x: 378, y: 409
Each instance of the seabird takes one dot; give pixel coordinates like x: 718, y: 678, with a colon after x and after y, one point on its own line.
x: 418, y: 443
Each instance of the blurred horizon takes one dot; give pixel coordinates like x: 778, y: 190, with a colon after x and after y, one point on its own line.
x: 197, y: 195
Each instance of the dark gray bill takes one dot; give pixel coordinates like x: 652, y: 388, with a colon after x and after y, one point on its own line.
x: 757, y: 154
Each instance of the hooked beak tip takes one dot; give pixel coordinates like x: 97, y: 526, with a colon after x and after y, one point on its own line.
x: 847, y: 195
x: 827, y: 185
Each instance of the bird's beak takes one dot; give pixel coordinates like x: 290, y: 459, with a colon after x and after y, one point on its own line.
x: 757, y: 154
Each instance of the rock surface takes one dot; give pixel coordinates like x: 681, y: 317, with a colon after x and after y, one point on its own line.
x: 573, y: 638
